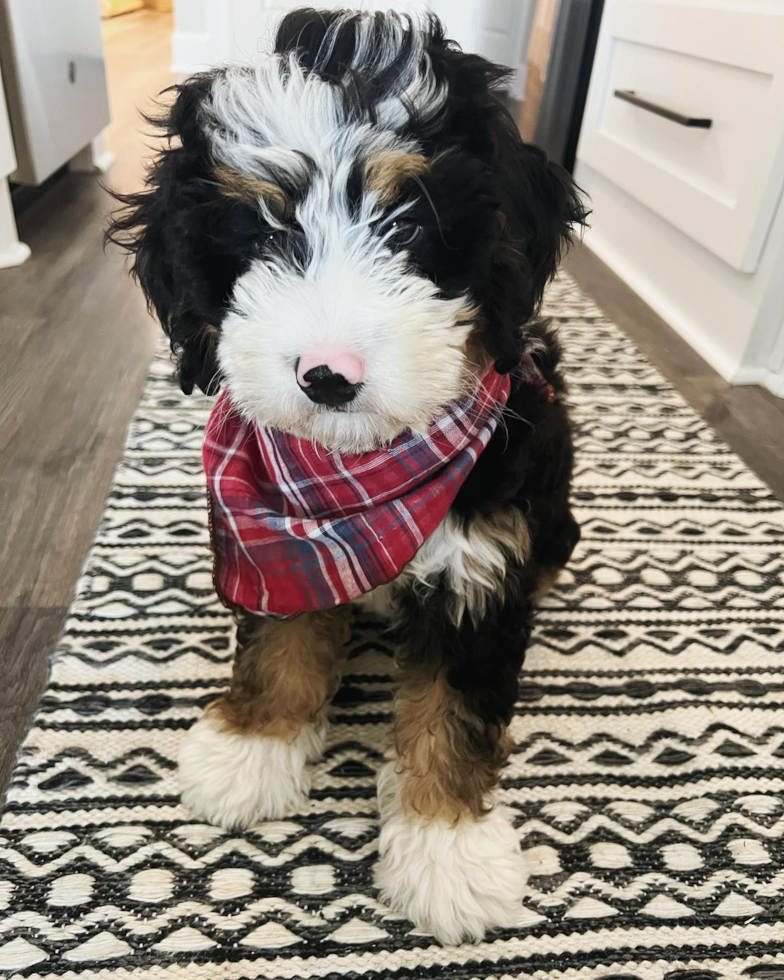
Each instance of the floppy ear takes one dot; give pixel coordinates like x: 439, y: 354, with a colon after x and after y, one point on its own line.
x: 165, y: 227
x: 542, y: 205
x: 538, y: 205
x: 540, y: 210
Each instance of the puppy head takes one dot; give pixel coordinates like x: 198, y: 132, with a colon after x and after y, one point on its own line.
x: 345, y: 234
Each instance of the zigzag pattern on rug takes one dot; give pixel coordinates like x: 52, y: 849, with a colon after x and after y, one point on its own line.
x: 647, y: 778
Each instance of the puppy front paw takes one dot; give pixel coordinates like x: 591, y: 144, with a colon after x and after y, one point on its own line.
x: 236, y: 780
x: 455, y: 881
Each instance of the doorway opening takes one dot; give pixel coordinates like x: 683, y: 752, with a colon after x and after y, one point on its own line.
x: 137, y: 47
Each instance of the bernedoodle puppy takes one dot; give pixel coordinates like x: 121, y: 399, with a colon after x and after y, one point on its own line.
x: 351, y: 241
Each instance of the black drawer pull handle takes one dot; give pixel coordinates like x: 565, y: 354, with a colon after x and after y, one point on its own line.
x: 628, y: 96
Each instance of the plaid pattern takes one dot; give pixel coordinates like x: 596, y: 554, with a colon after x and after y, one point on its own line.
x: 295, y: 527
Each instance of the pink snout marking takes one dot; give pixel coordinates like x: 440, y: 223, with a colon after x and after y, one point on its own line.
x: 351, y: 366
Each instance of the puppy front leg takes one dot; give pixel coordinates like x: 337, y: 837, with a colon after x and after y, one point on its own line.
x: 449, y: 856
x: 245, y: 759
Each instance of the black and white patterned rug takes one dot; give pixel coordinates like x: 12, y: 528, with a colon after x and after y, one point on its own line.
x: 648, y: 777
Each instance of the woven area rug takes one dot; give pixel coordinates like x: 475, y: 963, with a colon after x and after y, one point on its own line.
x: 647, y: 779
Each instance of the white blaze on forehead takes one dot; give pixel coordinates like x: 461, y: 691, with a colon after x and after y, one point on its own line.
x: 279, y: 116
x: 282, y: 123
x: 278, y: 124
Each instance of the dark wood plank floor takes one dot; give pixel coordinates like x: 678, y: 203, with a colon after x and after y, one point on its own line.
x: 76, y: 342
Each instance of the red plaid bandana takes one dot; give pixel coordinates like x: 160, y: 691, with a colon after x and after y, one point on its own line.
x: 296, y: 527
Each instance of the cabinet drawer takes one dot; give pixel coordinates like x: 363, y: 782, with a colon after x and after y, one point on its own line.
x: 719, y: 185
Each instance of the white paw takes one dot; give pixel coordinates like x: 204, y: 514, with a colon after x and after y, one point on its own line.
x: 456, y: 881
x: 236, y: 781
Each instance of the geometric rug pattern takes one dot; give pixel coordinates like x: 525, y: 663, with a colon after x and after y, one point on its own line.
x: 647, y: 778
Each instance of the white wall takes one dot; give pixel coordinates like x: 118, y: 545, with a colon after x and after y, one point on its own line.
x: 209, y: 32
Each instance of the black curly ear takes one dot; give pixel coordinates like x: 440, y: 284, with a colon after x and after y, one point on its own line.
x: 539, y: 208
x: 540, y: 211
x: 160, y: 227
x: 543, y: 207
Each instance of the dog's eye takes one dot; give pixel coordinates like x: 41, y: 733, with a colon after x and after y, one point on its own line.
x: 267, y: 240
x: 404, y: 233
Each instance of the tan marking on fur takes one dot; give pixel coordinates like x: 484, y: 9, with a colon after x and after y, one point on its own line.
x: 388, y: 170
x: 285, y: 675
x: 244, y: 187
x: 438, y: 741
x: 475, y: 350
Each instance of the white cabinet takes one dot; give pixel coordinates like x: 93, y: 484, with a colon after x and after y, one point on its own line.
x: 52, y: 57
x: 693, y: 217
x: 12, y: 251
x: 7, y: 156
x: 718, y: 185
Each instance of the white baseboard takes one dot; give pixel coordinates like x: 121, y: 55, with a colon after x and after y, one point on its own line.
x: 772, y: 380
x: 750, y: 376
x: 736, y: 374
x: 718, y: 360
x: 104, y: 162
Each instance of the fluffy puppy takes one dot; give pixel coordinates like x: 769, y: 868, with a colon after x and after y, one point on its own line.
x: 349, y: 239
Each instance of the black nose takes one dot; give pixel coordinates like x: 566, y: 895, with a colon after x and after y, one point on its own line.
x: 324, y: 387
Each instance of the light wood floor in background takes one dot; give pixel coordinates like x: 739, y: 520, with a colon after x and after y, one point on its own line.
x: 76, y: 341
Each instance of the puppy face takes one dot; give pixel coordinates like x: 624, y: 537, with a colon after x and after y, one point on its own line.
x: 347, y: 276
x: 345, y: 235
